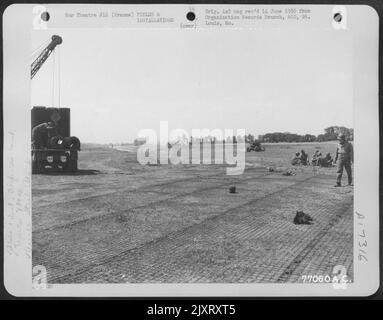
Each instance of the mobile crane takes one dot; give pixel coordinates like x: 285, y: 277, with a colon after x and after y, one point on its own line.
x: 62, y: 155
x: 43, y: 56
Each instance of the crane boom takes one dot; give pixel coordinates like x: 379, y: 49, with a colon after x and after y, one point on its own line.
x: 36, y: 65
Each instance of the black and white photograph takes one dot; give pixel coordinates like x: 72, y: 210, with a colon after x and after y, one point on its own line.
x: 197, y: 145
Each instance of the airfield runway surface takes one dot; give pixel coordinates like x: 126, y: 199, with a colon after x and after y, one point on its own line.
x: 116, y: 221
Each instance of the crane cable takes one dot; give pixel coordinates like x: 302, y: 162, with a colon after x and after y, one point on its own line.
x: 37, y: 52
x: 57, y: 91
x: 59, y: 77
x: 53, y: 78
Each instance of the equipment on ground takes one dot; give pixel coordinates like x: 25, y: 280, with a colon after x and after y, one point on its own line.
x: 302, y: 218
x: 255, y: 146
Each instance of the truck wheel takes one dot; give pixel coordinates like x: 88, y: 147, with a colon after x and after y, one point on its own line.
x: 34, y: 167
x: 72, y: 166
x: 37, y: 168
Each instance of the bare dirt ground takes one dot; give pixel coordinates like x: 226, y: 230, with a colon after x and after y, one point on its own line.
x: 117, y: 221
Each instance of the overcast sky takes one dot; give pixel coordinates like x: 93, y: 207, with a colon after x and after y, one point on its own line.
x: 117, y: 82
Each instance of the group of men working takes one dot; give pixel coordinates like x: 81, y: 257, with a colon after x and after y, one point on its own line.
x: 46, y: 136
x: 316, y: 160
x: 344, y: 157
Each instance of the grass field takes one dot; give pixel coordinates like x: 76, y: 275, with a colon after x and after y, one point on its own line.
x: 118, y: 221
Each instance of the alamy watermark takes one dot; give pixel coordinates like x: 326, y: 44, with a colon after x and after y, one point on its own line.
x: 203, y: 146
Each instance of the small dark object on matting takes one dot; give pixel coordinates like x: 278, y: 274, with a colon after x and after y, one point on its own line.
x: 288, y: 172
x: 233, y: 190
x: 302, y: 218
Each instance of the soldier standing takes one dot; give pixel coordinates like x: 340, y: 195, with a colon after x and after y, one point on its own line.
x: 345, y: 154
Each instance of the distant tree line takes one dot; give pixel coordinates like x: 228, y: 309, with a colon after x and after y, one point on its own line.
x: 330, y: 134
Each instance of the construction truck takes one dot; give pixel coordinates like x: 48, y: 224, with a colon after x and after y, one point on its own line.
x: 59, y: 152
x: 53, y: 148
